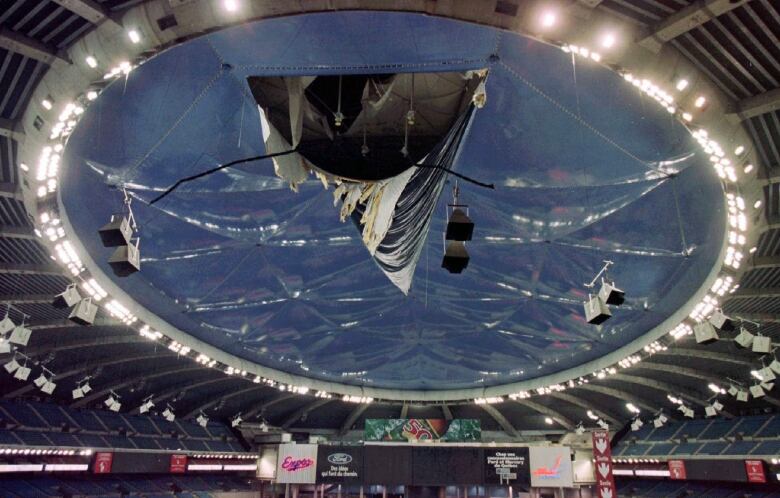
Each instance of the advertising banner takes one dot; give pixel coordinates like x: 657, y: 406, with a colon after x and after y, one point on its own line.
x: 340, y: 464
x: 602, y: 457
x: 178, y: 464
x: 103, y: 462
x: 507, y: 466
x: 550, y: 467
x: 410, y: 429
x: 755, y: 471
x: 266, y: 464
x: 677, y: 470
x: 296, y: 464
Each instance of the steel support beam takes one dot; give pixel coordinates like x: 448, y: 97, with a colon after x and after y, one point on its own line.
x: 259, y: 408
x: 11, y: 129
x: 755, y: 106
x: 66, y: 324
x: 16, y: 232
x: 353, y: 416
x: 747, y: 293
x: 706, y: 355
x: 31, y: 269
x: 445, y: 409
x: 685, y: 20
x: 304, y: 410
x: 623, y: 396
x: 214, y: 402
x: 96, y: 395
x: 549, y: 412
x: 501, y: 419
x: 663, y: 387
x: 574, y: 400
x: 172, y: 391
x: 404, y: 410
x: 26, y: 298
x: 89, y: 10
x: 763, y: 262
x: 28, y: 47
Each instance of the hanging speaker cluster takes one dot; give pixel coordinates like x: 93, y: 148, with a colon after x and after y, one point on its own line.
x: 597, y: 306
x: 460, y: 229
x: 118, y: 233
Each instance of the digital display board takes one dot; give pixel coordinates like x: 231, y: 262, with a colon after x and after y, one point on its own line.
x: 340, y: 464
x: 134, y: 463
x: 551, y: 467
x: 387, y: 464
x: 716, y: 470
x: 506, y: 466
x: 441, y: 465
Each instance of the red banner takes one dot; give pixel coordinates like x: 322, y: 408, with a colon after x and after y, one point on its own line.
x: 102, y: 463
x: 602, y: 456
x: 178, y: 464
x: 677, y: 470
x: 755, y: 471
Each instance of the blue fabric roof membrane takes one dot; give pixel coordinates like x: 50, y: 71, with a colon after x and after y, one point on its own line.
x: 579, y: 158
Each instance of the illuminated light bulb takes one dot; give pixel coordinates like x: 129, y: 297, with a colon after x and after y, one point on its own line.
x: 549, y: 19
x: 748, y: 168
x: 595, y: 56
x: 739, y: 150
x: 757, y: 204
x: 92, y: 95
x: 230, y: 5
x: 687, y: 116
x: 608, y: 40
x: 134, y: 36
x: 682, y: 85
x: 700, y: 101
x: 46, y: 104
x: 91, y: 61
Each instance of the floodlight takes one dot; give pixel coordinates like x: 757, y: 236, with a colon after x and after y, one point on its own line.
x: 91, y: 61
x: 20, y: 335
x: 608, y: 40
x: 636, y: 424
x: 69, y: 298
x: 85, y: 387
x: 549, y: 19
x: 11, y: 366
x: 40, y: 381
x: 682, y: 85
x: 134, y: 36
x: 230, y: 5
x: 109, y: 401
x: 596, y: 310
x: 757, y: 391
x: 202, y: 420
x: 84, y: 312
x: 705, y: 333
x: 6, y: 324
x: 744, y: 339
x: 721, y: 321
x: 236, y: 421
x: 762, y: 344
x: 742, y: 395
x: 456, y: 258
x: 459, y: 226
x: 77, y: 393
x: 22, y: 372
x: 710, y: 411
x: 115, y: 406
x: 169, y: 415
x: 688, y: 412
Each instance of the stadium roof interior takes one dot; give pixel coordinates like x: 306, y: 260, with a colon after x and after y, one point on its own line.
x: 256, y: 296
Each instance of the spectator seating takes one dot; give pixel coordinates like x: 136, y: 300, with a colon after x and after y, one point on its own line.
x: 757, y: 436
x: 44, y: 424
x: 659, y: 488
x: 131, y: 487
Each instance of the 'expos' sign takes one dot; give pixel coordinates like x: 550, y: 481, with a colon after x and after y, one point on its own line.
x: 297, y: 463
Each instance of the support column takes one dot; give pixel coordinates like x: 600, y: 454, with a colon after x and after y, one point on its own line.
x: 384, y: 491
x: 295, y: 491
x: 361, y: 492
x: 287, y: 491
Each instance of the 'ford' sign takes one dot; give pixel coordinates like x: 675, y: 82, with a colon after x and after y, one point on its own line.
x: 339, y: 458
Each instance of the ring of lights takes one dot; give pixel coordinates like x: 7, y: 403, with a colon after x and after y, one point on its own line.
x: 701, y: 304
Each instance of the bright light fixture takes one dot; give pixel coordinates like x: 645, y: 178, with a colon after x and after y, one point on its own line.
x: 687, y: 116
x: 608, y: 40
x: 134, y: 36
x: 739, y: 150
x: 700, y: 101
x: 548, y: 420
x: 230, y: 5
x: 549, y: 19
x: 46, y: 104
x: 682, y: 84
x: 91, y: 61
